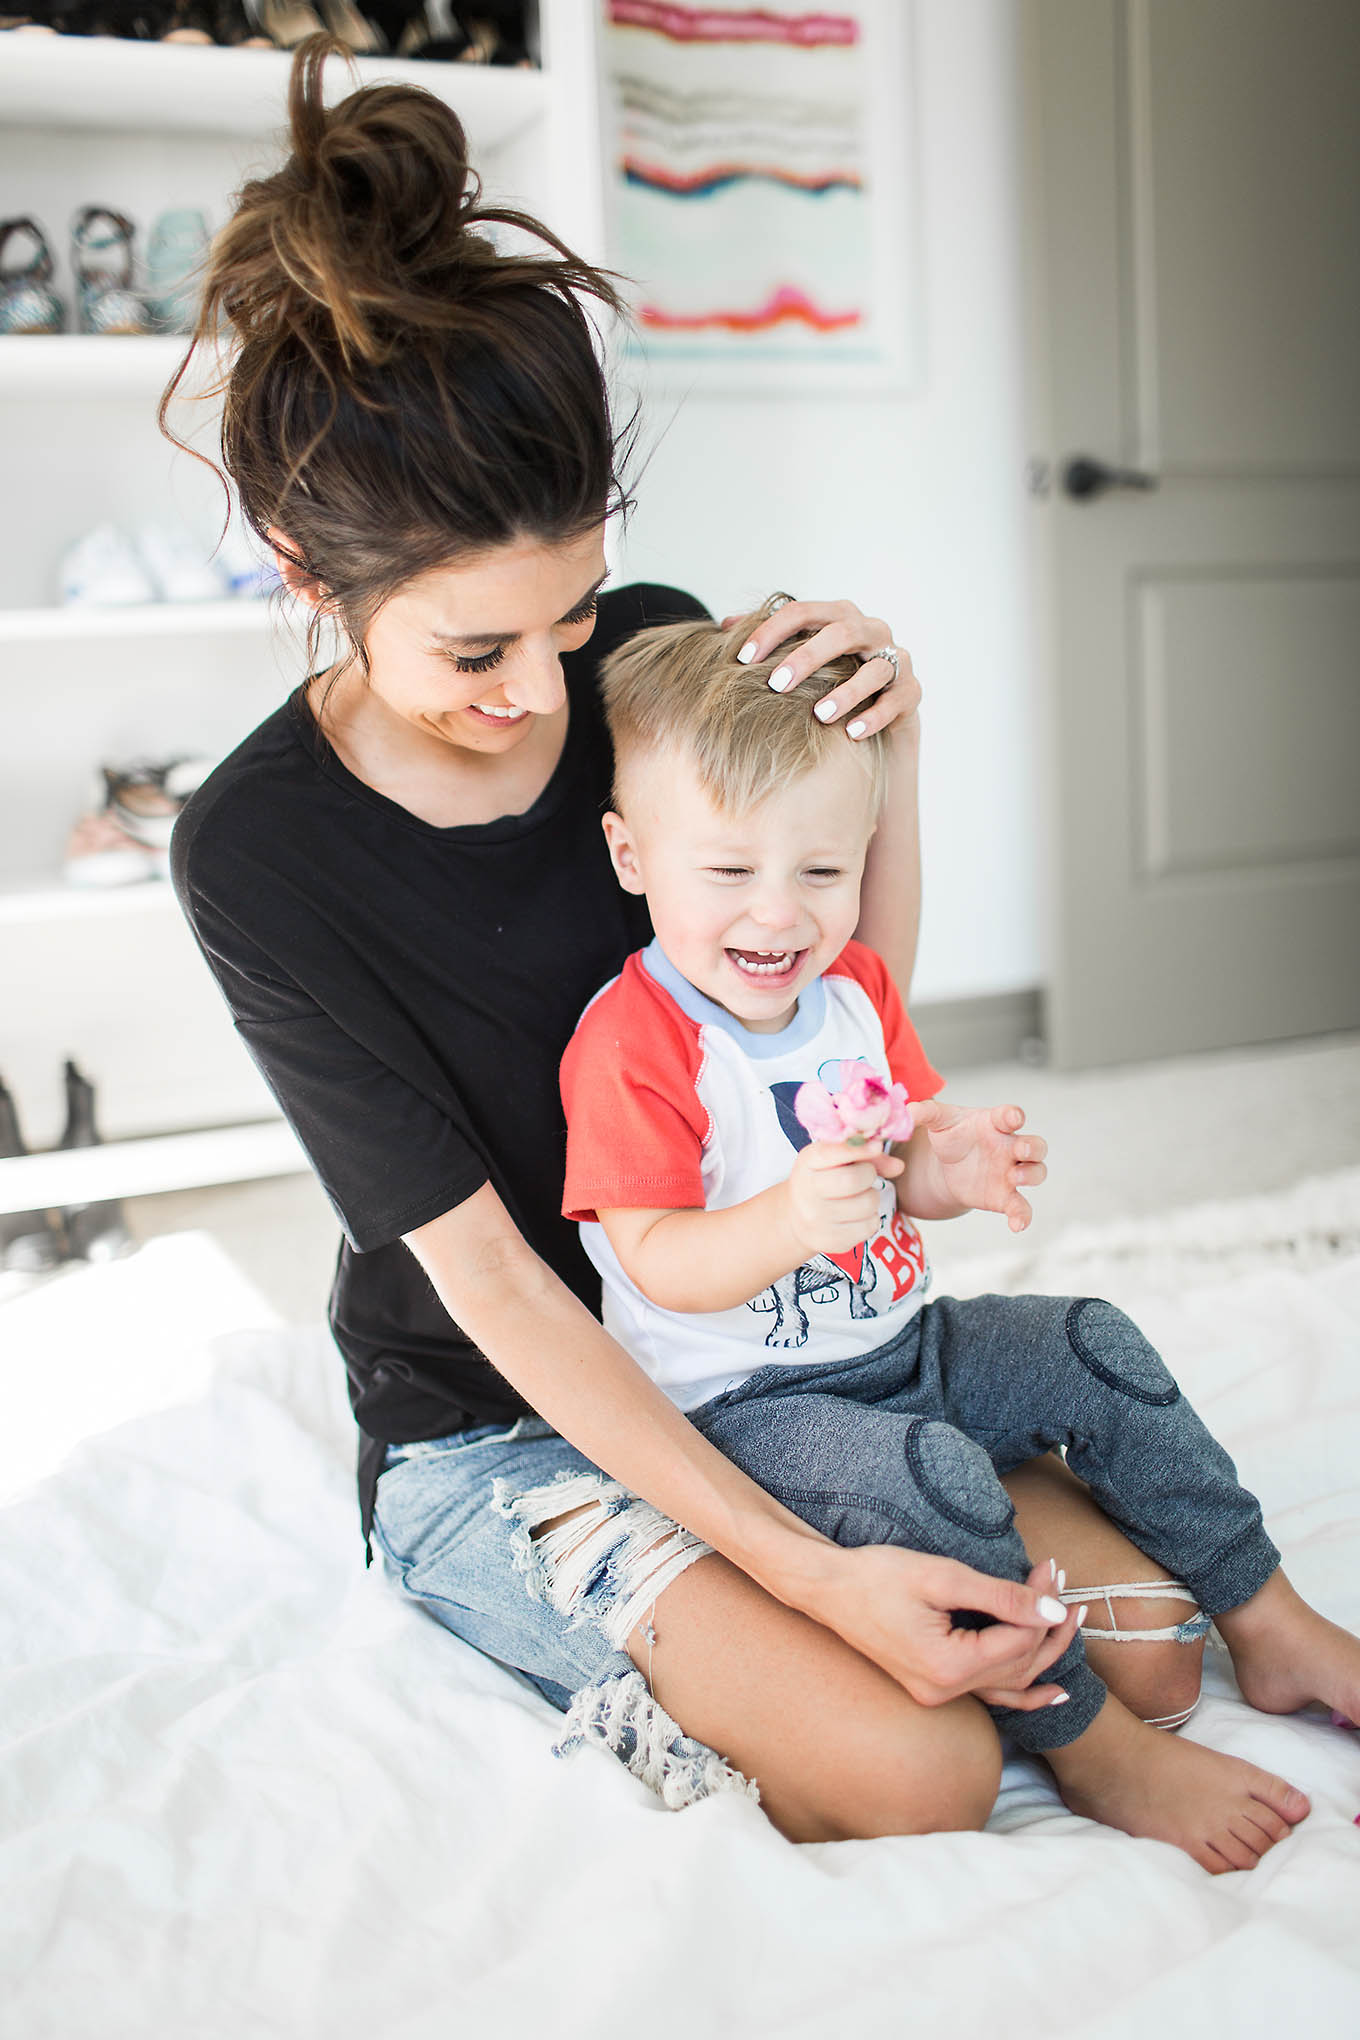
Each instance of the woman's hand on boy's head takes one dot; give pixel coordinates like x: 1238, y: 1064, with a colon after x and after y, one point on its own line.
x: 981, y: 1157
x: 838, y: 628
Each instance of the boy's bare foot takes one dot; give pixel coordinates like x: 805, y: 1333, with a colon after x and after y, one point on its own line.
x: 1224, y: 1813
x: 1286, y: 1654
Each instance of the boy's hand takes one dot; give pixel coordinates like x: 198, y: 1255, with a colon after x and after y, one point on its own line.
x: 833, y: 1194
x: 980, y: 1158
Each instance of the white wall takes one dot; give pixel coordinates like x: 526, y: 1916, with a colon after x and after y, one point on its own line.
x: 914, y: 506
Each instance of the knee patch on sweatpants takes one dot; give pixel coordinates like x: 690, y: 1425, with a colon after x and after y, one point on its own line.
x: 958, y: 1479
x: 1110, y: 1346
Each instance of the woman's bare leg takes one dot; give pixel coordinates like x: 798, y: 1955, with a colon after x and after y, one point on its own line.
x: 1058, y: 1518
x: 838, y: 1749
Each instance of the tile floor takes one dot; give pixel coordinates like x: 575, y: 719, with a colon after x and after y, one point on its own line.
x: 1124, y: 1142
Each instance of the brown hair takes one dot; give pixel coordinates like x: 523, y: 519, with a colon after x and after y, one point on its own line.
x: 680, y: 687
x: 401, y: 391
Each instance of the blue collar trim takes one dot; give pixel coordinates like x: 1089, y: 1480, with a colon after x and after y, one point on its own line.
x: 804, y: 1027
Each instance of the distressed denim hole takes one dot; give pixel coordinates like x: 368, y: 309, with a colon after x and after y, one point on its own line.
x: 1112, y: 1348
x: 958, y: 1479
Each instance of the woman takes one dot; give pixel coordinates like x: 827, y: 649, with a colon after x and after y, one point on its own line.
x: 402, y: 888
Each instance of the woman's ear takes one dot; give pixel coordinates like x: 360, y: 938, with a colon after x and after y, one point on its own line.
x: 295, y: 576
x: 623, y: 854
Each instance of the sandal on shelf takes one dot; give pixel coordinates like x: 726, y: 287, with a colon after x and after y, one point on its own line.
x: 28, y: 304
x: 28, y: 1243
x: 177, y: 246
x: 101, y: 262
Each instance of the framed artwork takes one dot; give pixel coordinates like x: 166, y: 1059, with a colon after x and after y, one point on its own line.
x: 760, y: 185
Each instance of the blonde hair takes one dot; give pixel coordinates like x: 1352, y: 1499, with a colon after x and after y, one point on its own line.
x: 679, y: 687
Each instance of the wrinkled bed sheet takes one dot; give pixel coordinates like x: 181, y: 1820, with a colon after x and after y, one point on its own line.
x: 245, y: 1792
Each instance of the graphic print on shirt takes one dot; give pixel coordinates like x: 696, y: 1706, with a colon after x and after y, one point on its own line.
x: 896, y: 1249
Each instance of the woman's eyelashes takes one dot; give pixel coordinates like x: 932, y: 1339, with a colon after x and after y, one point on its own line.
x: 482, y: 662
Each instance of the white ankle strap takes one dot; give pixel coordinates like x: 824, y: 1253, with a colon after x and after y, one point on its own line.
x: 1189, y: 1631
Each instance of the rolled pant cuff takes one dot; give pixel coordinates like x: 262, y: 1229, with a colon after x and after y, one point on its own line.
x: 1236, y: 1573
x: 1052, y: 1728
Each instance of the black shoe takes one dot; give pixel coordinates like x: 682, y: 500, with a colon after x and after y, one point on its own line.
x: 28, y: 1242
x: 94, y: 1232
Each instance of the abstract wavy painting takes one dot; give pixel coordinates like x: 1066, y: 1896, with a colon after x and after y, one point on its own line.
x: 749, y: 185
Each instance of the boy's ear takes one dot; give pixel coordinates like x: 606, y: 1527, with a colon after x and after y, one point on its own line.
x: 623, y: 853
x: 293, y: 574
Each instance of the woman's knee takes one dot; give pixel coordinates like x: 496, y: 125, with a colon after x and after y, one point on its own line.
x: 939, y: 1775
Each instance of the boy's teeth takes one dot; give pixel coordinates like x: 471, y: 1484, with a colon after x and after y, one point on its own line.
x: 762, y: 962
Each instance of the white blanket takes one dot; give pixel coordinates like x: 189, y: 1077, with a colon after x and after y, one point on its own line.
x: 245, y: 1792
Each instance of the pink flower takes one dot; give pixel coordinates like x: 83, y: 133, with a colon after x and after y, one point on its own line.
x: 864, y: 1108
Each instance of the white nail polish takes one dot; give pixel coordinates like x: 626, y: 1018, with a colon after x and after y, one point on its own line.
x: 1082, y: 1614
x: 745, y: 655
x: 1062, y: 1581
x: 1051, y: 1610
x: 1060, y: 1700
x: 856, y: 729
x: 1053, y: 1569
x: 825, y: 709
x: 780, y: 679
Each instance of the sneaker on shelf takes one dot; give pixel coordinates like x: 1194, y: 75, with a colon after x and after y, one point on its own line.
x: 145, y: 799
x: 247, y: 566
x: 99, y: 853
x: 28, y: 304
x: 177, y: 566
x: 93, y: 1232
x: 102, y: 571
x: 28, y: 1243
x: 177, y: 245
x: 101, y: 262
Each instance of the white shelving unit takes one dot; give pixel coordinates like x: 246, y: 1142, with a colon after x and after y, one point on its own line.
x: 111, y: 977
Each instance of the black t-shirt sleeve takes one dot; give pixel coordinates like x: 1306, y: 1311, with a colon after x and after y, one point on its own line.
x: 388, y: 1158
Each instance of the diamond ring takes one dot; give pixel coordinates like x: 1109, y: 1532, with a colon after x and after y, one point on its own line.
x: 888, y: 652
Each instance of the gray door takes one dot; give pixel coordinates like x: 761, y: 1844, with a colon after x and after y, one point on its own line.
x: 1197, y: 165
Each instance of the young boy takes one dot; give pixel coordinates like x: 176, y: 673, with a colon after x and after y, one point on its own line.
x: 775, y: 1286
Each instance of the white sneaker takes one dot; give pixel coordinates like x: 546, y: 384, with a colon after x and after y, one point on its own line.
x: 176, y: 564
x: 101, y: 571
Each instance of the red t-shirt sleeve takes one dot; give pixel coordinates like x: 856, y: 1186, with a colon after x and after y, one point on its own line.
x: 635, y: 1127
x: 907, y: 1061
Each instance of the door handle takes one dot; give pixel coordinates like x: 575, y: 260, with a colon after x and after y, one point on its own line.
x: 1083, y: 477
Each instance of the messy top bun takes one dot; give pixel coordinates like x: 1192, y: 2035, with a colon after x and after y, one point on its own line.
x: 400, y: 393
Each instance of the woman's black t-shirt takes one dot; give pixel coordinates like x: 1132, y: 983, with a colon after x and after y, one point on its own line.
x: 407, y: 992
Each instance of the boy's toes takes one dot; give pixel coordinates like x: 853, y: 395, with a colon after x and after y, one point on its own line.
x: 1231, y: 1852
x: 1265, y: 1826
x: 1280, y: 1797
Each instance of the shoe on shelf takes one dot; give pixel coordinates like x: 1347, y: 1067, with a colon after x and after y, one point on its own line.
x: 102, y: 571
x: 176, y: 565
x: 287, y: 22
x: 28, y: 1243
x: 177, y: 245
x: 248, y: 567
x: 101, y: 262
x: 92, y: 1232
x: 28, y: 304
x: 100, y: 853
x: 353, y: 29
x: 144, y: 799
x: 233, y: 28
x: 496, y: 31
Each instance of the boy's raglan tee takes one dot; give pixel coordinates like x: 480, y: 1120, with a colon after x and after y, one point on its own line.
x: 671, y: 1103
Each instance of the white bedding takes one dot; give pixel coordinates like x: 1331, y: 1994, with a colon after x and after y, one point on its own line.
x: 244, y: 1792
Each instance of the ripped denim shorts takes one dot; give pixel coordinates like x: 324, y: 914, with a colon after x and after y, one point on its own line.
x: 458, y: 1522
